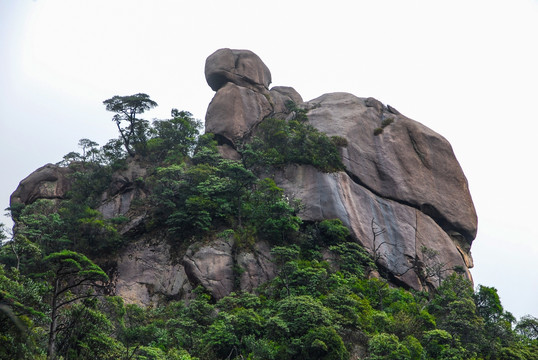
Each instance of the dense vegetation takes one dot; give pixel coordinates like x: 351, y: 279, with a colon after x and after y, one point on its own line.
x: 324, y: 302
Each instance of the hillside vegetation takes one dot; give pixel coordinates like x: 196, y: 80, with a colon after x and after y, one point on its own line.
x: 329, y: 299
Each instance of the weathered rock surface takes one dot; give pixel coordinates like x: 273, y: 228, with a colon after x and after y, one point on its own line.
x: 405, y: 229
x: 240, y: 67
x: 117, y: 200
x: 404, y: 184
x: 257, y: 266
x: 211, y: 266
x: 235, y: 110
x: 146, y: 274
x: 243, y: 100
x: 407, y: 162
x: 405, y: 180
x: 48, y: 182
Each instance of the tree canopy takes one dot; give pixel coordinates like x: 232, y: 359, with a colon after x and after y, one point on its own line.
x: 127, y: 108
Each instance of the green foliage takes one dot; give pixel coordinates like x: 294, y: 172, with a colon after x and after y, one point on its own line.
x: 386, y: 122
x: 387, y: 347
x: 333, y: 231
x: 22, y: 310
x: 528, y: 327
x: 134, y: 134
x: 439, y: 344
x: 173, y: 140
x: 281, y: 142
x: 353, y: 259
x: 193, y: 199
x: 323, y: 343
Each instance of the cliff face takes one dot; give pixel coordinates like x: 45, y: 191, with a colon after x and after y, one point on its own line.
x: 402, y: 194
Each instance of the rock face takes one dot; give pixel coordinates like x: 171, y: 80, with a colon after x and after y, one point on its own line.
x: 401, y: 178
x: 235, y: 110
x: 47, y: 182
x: 403, y: 194
x: 407, y: 162
x: 146, y: 275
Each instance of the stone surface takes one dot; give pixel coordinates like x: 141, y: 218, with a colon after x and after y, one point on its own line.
x: 211, y: 265
x: 257, y: 266
x: 407, y: 162
x: 124, y: 180
x: 228, y: 152
x: 405, y: 229
x: 117, y: 200
x: 241, y: 67
x: 235, y: 110
x: 145, y: 274
x: 48, y: 182
x: 280, y: 95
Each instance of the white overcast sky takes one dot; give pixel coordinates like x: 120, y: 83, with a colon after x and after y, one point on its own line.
x: 467, y: 69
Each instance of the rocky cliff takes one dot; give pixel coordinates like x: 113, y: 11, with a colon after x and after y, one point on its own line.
x: 402, y: 193
x: 401, y: 178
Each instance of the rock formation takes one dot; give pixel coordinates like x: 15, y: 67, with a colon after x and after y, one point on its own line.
x: 48, y: 182
x: 400, y: 176
x: 402, y: 194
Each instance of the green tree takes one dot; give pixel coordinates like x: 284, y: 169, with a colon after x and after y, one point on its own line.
x: 22, y: 312
x: 455, y: 311
x: 73, y: 277
x: 497, y: 322
x: 174, y: 139
x: 387, y: 347
x: 89, y: 150
x: 528, y: 327
x: 134, y: 133
x: 439, y: 344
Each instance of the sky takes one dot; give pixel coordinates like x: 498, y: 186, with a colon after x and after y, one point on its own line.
x: 466, y: 69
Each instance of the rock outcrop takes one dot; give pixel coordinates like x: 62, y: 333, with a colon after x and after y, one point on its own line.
x: 48, y: 182
x: 146, y: 274
x: 243, y: 99
x: 403, y: 194
x: 400, y: 176
x: 406, y: 162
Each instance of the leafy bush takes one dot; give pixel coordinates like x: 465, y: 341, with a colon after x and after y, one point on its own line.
x: 281, y: 142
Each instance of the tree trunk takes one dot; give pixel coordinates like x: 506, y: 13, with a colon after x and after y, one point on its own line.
x: 51, y: 353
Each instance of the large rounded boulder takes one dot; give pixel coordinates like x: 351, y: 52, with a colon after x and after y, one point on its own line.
x: 241, y: 67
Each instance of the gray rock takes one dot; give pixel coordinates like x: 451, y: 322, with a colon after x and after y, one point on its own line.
x: 407, y: 162
x: 235, y: 110
x: 405, y: 229
x: 228, y: 152
x: 371, y: 102
x: 211, y: 266
x: 257, y: 266
x: 48, y: 182
x: 241, y: 67
x: 280, y: 95
x: 146, y: 274
x: 123, y: 180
